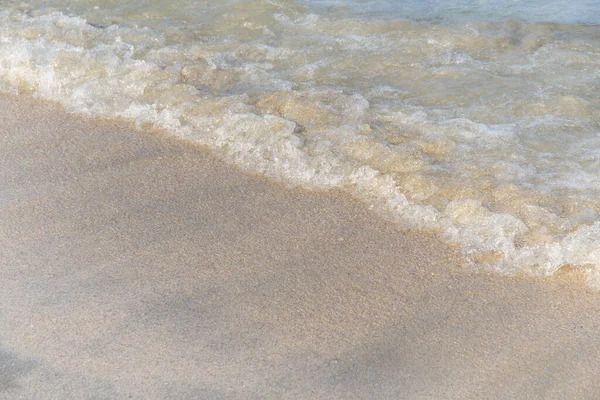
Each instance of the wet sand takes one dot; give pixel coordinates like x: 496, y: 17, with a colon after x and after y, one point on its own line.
x: 137, y: 266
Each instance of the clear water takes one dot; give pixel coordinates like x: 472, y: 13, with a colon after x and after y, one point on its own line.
x: 478, y: 120
x: 452, y: 11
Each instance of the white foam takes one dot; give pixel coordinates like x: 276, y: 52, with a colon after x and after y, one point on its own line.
x: 487, y: 138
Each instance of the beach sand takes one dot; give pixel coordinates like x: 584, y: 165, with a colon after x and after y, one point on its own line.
x: 137, y: 266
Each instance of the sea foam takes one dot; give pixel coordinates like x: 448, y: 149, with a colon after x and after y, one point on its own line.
x: 485, y: 132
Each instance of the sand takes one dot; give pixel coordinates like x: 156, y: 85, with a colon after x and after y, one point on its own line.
x: 137, y: 266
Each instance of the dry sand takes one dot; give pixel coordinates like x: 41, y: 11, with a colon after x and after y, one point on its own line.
x: 136, y: 266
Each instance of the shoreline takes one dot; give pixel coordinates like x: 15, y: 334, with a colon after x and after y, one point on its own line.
x: 138, y: 265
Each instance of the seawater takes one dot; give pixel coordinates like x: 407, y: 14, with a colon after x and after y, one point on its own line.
x: 478, y: 120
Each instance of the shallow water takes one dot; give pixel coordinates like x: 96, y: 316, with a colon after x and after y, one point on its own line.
x: 477, y: 121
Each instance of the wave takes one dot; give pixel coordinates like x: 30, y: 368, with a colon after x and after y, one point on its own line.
x: 486, y: 133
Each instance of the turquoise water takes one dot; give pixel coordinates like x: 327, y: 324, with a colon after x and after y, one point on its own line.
x: 477, y: 120
x: 555, y: 11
